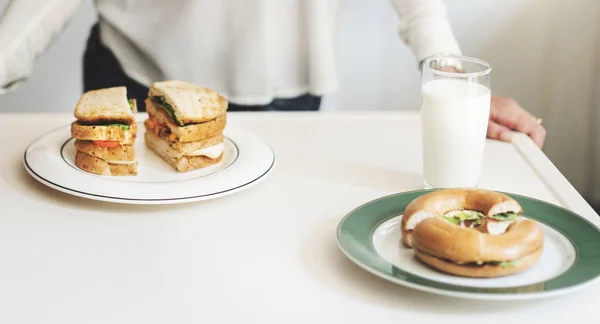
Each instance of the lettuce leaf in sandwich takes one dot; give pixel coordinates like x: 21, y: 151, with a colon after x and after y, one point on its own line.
x: 166, y: 107
x: 458, y: 216
x: 510, y: 216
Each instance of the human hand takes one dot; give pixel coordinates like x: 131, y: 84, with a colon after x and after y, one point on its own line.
x: 506, y: 115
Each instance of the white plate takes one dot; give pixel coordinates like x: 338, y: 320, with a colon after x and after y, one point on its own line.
x: 558, y: 256
x: 370, y: 236
x: 246, y: 161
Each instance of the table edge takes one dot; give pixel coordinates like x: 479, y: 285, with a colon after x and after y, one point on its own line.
x: 553, y: 179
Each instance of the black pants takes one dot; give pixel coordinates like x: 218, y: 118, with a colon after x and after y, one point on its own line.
x: 101, y: 69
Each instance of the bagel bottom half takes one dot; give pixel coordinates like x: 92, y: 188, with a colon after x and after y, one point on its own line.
x: 479, y: 271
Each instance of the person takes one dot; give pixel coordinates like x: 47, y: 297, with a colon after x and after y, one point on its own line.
x: 263, y: 55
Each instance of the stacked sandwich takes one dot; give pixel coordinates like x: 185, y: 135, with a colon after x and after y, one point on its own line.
x: 105, y: 132
x: 185, y: 124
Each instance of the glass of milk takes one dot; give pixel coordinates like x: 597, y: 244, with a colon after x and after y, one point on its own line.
x: 455, y: 109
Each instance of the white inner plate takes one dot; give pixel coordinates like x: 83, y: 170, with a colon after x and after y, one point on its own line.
x: 557, y: 257
x: 246, y: 160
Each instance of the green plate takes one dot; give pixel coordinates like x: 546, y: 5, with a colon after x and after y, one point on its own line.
x: 572, y: 250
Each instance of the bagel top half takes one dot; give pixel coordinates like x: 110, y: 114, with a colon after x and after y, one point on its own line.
x: 491, y: 211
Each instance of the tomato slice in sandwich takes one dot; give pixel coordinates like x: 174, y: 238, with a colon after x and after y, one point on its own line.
x: 107, y: 143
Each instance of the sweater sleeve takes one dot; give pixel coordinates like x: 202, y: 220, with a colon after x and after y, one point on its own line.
x: 425, y: 27
x: 27, y: 28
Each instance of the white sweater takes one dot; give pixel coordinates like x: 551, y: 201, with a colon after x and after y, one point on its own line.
x: 249, y: 50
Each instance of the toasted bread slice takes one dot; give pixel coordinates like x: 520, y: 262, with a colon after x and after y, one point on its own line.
x: 191, y: 103
x: 104, y: 133
x: 187, y: 146
x: 211, y: 151
x: 105, y: 105
x: 189, y: 133
x: 181, y: 163
x: 119, y: 153
x: 98, y: 166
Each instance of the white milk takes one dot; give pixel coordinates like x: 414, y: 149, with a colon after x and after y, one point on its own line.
x: 454, y: 116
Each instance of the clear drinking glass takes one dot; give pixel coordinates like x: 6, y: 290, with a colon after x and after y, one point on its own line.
x: 455, y: 109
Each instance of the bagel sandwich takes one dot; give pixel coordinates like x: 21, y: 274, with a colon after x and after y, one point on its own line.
x: 485, y: 210
x: 468, y: 252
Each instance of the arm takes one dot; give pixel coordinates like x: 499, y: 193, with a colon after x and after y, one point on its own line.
x: 27, y: 28
x: 425, y: 27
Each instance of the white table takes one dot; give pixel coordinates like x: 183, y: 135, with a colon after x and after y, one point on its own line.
x: 265, y: 255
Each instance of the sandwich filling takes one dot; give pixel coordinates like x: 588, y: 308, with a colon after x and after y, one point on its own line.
x: 131, y: 104
x: 503, y: 264
x: 160, y: 129
x: 121, y: 162
x: 106, y: 123
x: 161, y: 103
x: 509, y: 216
x: 465, y: 218
x: 213, y: 151
x: 496, y: 224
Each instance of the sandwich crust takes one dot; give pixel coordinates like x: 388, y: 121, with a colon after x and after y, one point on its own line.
x: 98, y: 166
x: 109, y: 104
x: 103, y: 133
x: 188, y: 133
x: 191, y: 103
x: 189, y: 163
x: 183, y: 163
x: 438, y: 203
x: 119, y: 153
x: 482, y: 271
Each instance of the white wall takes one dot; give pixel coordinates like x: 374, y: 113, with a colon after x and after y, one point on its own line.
x: 543, y: 54
x: 378, y: 71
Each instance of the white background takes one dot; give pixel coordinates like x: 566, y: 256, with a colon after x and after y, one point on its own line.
x: 544, y: 54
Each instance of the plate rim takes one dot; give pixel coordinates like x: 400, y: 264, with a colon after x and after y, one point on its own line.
x: 145, y: 201
x: 462, y: 294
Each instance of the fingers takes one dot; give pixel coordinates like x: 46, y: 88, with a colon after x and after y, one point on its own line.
x: 503, y: 133
x: 449, y: 69
x: 499, y: 132
x: 507, y: 112
x: 538, y: 135
x: 527, y: 124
